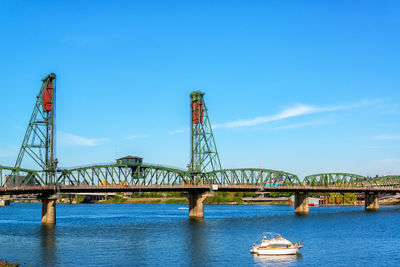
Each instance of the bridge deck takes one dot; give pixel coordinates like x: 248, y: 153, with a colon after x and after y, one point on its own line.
x: 48, y: 190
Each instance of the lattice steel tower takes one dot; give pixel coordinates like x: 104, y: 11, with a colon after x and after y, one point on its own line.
x: 204, y: 155
x: 39, y: 138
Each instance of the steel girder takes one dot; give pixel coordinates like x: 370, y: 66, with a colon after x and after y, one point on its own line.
x: 117, y: 174
x: 337, y: 180
x: 21, y: 177
x: 253, y: 176
x: 386, y: 181
x: 148, y: 174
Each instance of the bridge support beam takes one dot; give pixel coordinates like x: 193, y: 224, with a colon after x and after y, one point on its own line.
x: 196, y: 204
x: 301, y: 203
x: 371, y: 201
x: 49, y: 209
x: 5, y: 200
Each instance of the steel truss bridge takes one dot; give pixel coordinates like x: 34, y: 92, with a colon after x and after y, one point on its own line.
x: 204, y: 172
x: 147, y: 177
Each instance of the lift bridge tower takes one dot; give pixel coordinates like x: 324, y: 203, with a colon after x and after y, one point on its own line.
x: 204, y: 155
x: 39, y: 139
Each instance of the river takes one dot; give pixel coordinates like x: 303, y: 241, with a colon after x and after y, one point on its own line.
x: 163, y: 235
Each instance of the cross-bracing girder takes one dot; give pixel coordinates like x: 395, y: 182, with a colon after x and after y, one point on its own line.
x: 148, y: 174
x: 12, y: 176
x: 387, y: 181
x: 117, y: 174
x: 338, y: 180
x: 253, y: 176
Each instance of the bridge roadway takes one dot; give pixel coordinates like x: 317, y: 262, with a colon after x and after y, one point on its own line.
x: 71, y: 189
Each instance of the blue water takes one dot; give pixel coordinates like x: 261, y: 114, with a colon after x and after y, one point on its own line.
x: 163, y: 235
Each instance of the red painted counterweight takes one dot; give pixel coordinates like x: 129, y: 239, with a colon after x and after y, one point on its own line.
x: 47, y: 97
x: 195, y: 112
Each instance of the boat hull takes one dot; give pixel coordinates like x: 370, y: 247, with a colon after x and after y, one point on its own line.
x: 276, y: 251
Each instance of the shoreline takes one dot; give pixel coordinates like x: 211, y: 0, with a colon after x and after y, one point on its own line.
x: 156, y: 200
x: 4, y: 263
x: 184, y: 201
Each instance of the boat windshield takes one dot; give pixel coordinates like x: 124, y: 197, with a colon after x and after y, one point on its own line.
x: 271, y: 235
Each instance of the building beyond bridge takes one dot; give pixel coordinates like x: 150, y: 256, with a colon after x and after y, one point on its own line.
x: 18, y: 180
x: 130, y: 160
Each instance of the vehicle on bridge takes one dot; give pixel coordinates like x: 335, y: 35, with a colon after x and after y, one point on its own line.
x: 105, y: 183
x: 276, y: 184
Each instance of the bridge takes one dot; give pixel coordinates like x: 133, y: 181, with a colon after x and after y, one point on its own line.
x: 203, y: 176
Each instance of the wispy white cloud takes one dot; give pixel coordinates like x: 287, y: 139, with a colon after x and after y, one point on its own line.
x: 178, y: 131
x: 68, y: 139
x: 136, y: 137
x: 386, y: 137
x: 300, y: 125
x: 295, y: 111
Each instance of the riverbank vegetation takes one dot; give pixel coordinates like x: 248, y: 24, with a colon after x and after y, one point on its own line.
x: 7, y: 264
x: 177, y: 198
x: 234, y: 198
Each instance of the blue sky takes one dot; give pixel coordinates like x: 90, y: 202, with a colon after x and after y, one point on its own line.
x: 300, y: 86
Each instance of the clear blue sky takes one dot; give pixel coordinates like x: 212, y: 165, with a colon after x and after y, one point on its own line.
x: 300, y: 86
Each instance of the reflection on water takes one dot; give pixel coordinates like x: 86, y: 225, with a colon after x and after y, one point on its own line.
x: 281, y: 260
x: 197, y: 243
x: 48, y: 244
x: 163, y: 235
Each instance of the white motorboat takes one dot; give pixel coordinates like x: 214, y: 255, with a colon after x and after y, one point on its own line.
x: 275, y: 244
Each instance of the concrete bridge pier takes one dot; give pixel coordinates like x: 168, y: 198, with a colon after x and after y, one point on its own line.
x: 5, y: 200
x: 196, y: 204
x: 371, y: 201
x: 301, y: 203
x: 49, y: 209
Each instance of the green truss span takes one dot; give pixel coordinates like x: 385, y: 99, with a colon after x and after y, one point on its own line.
x: 148, y: 174
x: 253, y: 176
x: 347, y: 180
